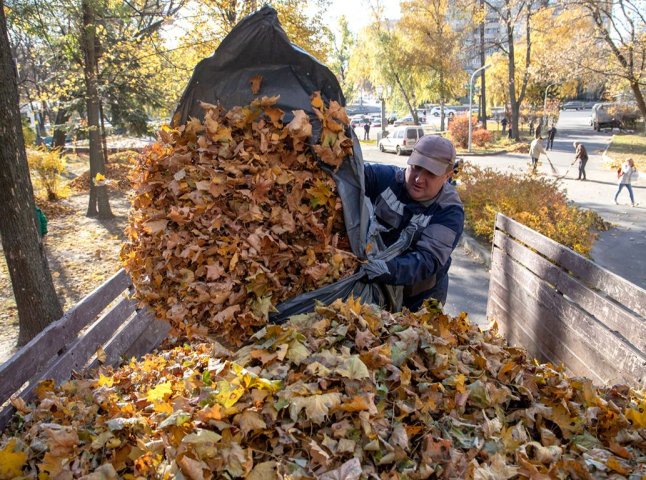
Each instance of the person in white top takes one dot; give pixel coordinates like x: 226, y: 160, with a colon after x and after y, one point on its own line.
x: 535, y: 150
x: 627, y: 175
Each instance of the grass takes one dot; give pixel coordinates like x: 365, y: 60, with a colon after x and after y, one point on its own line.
x: 624, y: 146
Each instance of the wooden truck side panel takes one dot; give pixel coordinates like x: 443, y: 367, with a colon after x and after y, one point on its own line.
x: 566, y: 309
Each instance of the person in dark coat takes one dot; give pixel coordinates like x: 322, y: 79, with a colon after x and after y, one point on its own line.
x: 366, y: 130
x: 504, y: 122
x: 581, y: 156
x: 551, y: 133
x: 419, y: 196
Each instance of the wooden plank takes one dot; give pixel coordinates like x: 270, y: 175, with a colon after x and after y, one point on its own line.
x: 584, y: 334
x: 150, y: 338
x: 535, y: 332
x: 591, y: 274
x: 79, y: 352
x: 614, y: 316
x: 48, y: 344
x: 122, y: 340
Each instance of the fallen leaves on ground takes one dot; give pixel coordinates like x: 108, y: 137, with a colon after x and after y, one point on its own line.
x: 234, y: 214
x: 116, y: 177
x: 346, y: 392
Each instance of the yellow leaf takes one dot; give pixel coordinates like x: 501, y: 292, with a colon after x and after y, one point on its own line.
x: 163, y: 407
x: 104, y: 381
x: 158, y: 393
x: 11, y: 462
x: 637, y: 416
x: 228, y: 394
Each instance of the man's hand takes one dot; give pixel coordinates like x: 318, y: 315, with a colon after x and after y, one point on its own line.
x: 375, y: 269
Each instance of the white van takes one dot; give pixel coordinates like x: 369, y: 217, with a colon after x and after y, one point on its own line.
x: 401, y: 140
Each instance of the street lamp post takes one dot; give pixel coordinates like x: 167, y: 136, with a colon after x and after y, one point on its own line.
x: 380, y: 94
x: 545, y: 103
x: 471, y: 99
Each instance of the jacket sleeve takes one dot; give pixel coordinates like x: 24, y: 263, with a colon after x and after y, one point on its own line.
x: 377, y: 178
x: 430, y: 253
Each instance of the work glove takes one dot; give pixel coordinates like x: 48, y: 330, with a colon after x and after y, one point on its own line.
x: 374, y: 269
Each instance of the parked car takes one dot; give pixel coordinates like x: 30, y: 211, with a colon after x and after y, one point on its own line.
x: 408, y: 120
x: 375, y: 121
x: 575, y: 105
x: 358, y: 120
x: 401, y: 140
x: 448, y: 112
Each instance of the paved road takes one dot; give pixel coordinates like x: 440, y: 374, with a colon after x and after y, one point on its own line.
x: 621, y: 250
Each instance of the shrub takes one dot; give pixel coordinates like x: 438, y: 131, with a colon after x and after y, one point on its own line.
x: 459, y: 131
x: 48, y: 165
x: 481, y: 137
x: 535, y: 202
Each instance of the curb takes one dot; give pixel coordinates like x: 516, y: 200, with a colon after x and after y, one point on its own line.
x: 500, y: 152
x: 479, y: 252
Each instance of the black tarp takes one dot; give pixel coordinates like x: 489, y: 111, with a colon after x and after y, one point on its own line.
x: 259, y: 46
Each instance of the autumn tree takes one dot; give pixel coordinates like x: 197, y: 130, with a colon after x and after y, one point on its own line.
x: 619, y: 36
x: 516, y: 19
x: 432, y: 45
x: 32, y: 283
x: 340, y: 57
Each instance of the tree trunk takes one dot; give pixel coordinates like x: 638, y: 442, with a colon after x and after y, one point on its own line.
x: 515, y: 108
x: 30, y: 277
x: 483, y: 87
x: 412, y: 110
x: 99, y: 205
x: 442, y: 101
x: 62, y: 116
x: 639, y: 98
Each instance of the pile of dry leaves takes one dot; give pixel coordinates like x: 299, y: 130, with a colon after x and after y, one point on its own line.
x: 347, y: 392
x: 234, y: 214
x: 117, y: 173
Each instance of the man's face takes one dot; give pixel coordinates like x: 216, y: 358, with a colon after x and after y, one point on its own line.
x: 423, y: 185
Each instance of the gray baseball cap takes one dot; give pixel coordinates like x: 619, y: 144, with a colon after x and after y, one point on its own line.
x: 433, y: 153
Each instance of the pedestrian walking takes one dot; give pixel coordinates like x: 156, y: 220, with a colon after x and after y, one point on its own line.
x: 535, y: 150
x: 581, y: 156
x: 503, y: 122
x: 366, y: 130
x: 551, y: 133
x: 626, y: 175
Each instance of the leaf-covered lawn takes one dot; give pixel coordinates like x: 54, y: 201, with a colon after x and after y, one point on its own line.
x: 628, y: 146
x: 82, y: 253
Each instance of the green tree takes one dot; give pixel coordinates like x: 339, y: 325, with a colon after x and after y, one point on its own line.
x: 340, y: 57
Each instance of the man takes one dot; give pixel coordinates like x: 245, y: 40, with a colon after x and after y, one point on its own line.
x: 366, y: 130
x: 418, y: 195
x: 551, y: 133
x: 535, y: 150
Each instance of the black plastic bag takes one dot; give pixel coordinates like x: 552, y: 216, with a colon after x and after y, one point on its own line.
x: 259, y: 46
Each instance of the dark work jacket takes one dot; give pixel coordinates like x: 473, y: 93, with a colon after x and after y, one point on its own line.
x: 428, y: 259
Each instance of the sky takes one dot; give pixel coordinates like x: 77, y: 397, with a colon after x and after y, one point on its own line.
x: 358, y: 12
